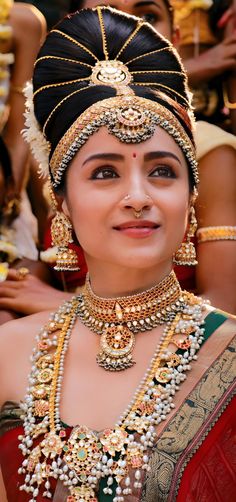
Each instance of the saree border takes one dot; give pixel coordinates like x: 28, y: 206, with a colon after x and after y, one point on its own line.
x: 167, y: 462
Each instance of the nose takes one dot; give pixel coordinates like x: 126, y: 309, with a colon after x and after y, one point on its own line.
x: 137, y: 197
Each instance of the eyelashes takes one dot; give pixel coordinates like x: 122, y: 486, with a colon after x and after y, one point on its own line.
x: 163, y: 172
x: 109, y: 172
x: 104, y: 173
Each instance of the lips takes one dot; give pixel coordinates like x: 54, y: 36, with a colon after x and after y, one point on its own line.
x: 137, y: 224
x: 141, y: 229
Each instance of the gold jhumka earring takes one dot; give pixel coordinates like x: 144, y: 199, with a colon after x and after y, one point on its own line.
x: 186, y: 254
x: 61, y: 232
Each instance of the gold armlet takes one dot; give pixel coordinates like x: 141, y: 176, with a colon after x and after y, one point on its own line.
x: 223, y: 233
x: 227, y: 103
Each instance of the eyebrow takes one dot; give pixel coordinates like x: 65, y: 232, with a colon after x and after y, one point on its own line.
x: 144, y: 3
x: 104, y: 156
x: 161, y: 155
x: 119, y: 157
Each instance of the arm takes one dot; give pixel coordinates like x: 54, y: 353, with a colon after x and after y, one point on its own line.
x: 216, y: 270
x: 30, y: 295
x: 3, y: 496
x: 28, y: 32
x: 212, y: 62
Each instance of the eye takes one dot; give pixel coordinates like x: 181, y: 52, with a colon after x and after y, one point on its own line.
x: 104, y: 173
x: 150, y: 17
x: 163, y: 172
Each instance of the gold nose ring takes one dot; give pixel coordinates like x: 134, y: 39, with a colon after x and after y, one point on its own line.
x: 137, y: 214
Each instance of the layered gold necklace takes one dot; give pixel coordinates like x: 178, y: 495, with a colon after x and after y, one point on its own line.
x: 80, y: 457
x: 116, y: 320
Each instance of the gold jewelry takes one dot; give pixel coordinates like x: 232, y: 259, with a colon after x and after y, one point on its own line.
x: 140, y: 23
x: 4, y: 267
x: 22, y: 272
x: 116, y: 319
x: 83, y: 458
x: 129, y: 118
x: 62, y: 34
x: 11, y: 206
x: 61, y: 231
x: 111, y: 73
x: 227, y: 103
x: 138, y: 214
x: 103, y: 32
x: 186, y: 254
x: 130, y: 121
x: 222, y: 233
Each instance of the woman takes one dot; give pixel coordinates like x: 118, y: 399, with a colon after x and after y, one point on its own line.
x: 214, y: 276
x: 17, y: 249
x: 23, y: 28
x: 122, y: 154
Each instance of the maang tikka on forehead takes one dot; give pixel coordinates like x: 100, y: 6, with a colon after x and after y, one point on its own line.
x: 128, y: 117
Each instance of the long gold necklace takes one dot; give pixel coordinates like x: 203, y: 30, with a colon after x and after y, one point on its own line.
x: 116, y: 320
x: 83, y: 458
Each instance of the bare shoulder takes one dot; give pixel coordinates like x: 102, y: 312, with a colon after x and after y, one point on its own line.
x: 22, y: 327
x: 27, y: 17
x: 17, y: 340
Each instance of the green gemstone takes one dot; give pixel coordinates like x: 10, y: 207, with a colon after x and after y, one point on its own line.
x: 82, y: 435
x: 65, y: 448
x: 82, y: 454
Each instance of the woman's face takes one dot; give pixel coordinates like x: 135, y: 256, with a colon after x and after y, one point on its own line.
x: 108, y: 182
x: 154, y: 12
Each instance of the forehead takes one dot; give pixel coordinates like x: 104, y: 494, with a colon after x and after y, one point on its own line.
x: 123, y: 4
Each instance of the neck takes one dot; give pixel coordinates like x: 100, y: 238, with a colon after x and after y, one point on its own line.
x: 110, y: 282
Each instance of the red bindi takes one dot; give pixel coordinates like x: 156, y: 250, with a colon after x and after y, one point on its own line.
x: 134, y: 155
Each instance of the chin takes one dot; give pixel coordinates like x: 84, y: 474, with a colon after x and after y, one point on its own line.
x: 142, y: 261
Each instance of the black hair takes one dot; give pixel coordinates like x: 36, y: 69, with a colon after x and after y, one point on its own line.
x: 65, y: 60
x: 217, y: 10
x: 5, y: 162
x: 7, y: 215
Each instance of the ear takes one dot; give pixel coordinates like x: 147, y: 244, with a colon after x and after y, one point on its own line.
x: 176, y: 37
x: 65, y: 208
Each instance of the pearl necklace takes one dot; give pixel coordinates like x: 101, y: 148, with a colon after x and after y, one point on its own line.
x: 85, y: 457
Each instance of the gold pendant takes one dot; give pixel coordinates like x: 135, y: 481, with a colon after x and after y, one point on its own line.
x: 117, y: 343
x: 81, y: 453
x: 81, y: 494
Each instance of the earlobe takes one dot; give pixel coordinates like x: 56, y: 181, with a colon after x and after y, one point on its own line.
x: 65, y: 209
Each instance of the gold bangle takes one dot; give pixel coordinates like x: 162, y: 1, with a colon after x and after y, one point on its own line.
x: 223, y: 233
x: 227, y: 103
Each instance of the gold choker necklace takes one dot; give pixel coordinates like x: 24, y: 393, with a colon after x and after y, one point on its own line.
x: 117, y: 319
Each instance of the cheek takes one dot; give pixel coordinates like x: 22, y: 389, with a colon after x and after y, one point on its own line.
x: 176, y: 211
x: 88, y: 216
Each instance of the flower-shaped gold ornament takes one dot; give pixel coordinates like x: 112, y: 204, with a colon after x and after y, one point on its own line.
x: 112, y: 73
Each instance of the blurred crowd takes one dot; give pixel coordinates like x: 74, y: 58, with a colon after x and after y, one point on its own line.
x: 204, y: 33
